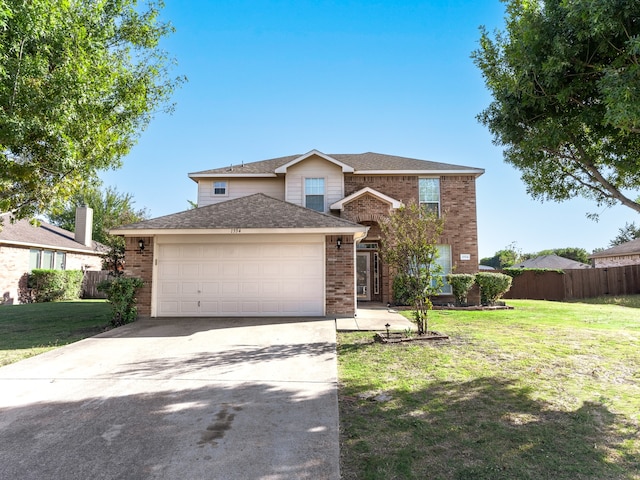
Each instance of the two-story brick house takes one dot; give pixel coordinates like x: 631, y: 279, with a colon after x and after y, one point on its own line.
x: 296, y: 235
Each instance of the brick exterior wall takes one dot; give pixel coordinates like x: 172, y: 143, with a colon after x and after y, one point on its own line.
x: 15, y: 266
x: 400, y: 187
x: 140, y: 264
x: 457, y: 204
x: 340, y: 276
x: 619, y: 261
x: 13, y: 274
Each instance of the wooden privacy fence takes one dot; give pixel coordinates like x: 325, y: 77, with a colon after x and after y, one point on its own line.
x: 579, y: 283
x: 90, y: 283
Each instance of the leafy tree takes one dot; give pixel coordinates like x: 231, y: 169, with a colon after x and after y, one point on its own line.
x: 110, y: 209
x: 79, y: 80
x: 410, y: 245
x: 504, y: 258
x: 572, y: 253
x: 625, y: 234
x: 565, y: 80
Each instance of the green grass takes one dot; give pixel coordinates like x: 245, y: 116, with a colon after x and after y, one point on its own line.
x: 547, y: 390
x: 31, y: 329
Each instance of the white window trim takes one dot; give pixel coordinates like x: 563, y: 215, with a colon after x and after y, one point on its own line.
x: 226, y: 189
x: 324, y: 192
x: 439, y: 194
x: 446, y: 288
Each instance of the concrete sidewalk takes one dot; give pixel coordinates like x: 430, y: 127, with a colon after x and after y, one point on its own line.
x: 374, y: 317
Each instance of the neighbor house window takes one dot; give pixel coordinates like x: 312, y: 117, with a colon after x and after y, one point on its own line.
x: 47, y: 259
x: 430, y: 194
x: 314, y: 194
x: 220, y: 188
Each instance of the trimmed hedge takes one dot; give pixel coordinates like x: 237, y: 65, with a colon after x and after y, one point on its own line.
x: 492, y: 286
x: 461, y: 283
x: 55, y: 285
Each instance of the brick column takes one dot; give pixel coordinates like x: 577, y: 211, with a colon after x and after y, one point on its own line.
x: 340, y: 276
x: 140, y: 264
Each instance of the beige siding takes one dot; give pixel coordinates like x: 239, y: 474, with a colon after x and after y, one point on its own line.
x: 314, y: 167
x: 239, y: 187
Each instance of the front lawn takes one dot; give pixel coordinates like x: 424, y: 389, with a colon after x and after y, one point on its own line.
x: 547, y: 390
x: 31, y: 329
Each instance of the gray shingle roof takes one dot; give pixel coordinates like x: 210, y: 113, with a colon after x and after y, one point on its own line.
x: 628, y: 248
x: 257, y: 211
x: 45, y: 236
x: 551, y: 262
x: 359, y: 161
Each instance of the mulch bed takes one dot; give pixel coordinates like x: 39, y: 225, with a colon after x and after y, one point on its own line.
x: 397, y: 337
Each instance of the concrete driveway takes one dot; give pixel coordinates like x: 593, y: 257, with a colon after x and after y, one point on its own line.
x: 177, y: 399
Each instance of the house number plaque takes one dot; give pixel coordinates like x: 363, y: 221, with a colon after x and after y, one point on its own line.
x: 235, y: 230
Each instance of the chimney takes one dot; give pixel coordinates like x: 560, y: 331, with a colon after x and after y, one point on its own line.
x: 84, y: 225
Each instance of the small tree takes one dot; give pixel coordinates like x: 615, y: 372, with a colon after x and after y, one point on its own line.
x: 121, y: 294
x: 410, y: 246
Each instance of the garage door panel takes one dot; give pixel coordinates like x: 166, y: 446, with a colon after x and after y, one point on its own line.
x: 169, y: 270
x: 210, y: 288
x: 241, y: 280
x: 169, y: 288
x: 208, y: 307
x: 190, y: 288
x: 190, y: 270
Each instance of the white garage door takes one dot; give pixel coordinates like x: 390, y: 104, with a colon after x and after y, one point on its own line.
x: 240, y: 279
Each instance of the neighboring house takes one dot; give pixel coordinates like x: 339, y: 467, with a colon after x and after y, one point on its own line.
x: 296, y: 235
x: 624, y: 254
x: 24, y: 247
x: 551, y: 262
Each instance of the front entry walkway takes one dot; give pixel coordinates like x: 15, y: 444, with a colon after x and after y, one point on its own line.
x: 374, y: 317
x: 177, y: 399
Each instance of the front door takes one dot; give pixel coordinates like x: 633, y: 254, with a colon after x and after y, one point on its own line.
x: 362, y: 276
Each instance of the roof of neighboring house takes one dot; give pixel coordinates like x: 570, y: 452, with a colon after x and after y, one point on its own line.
x: 628, y: 248
x: 45, y: 235
x: 554, y: 262
x: 368, y: 162
x: 258, y: 211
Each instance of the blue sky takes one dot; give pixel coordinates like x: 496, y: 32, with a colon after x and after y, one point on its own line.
x: 272, y: 78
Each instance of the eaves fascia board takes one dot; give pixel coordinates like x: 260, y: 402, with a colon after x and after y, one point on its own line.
x: 133, y: 232
x: 194, y: 176
x: 57, y: 248
x: 475, y: 172
x: 345, y: 168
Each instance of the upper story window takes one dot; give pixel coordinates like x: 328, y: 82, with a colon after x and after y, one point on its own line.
x: 314, y: 194
x: 47, y: 259
x: 430, y: 194
x: 219, y: 188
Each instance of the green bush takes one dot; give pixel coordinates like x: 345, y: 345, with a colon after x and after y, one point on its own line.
x: 121, y: 294
x: 55, y: 285
x: 461, y: 283
x: 492, y: 286
x: 401, y: 290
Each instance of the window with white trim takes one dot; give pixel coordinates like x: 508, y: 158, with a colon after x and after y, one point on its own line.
x: 444, y: 260
x: 219, y: 189
x: 314, y: 194
x: 429, y: 191
x: 47, y: 259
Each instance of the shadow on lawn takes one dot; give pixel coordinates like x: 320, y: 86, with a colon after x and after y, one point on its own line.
x: 483, y: 429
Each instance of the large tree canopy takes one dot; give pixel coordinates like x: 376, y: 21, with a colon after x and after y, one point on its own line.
x: 79, y: 81
x: 110, y: 209
x: 565, y: 80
